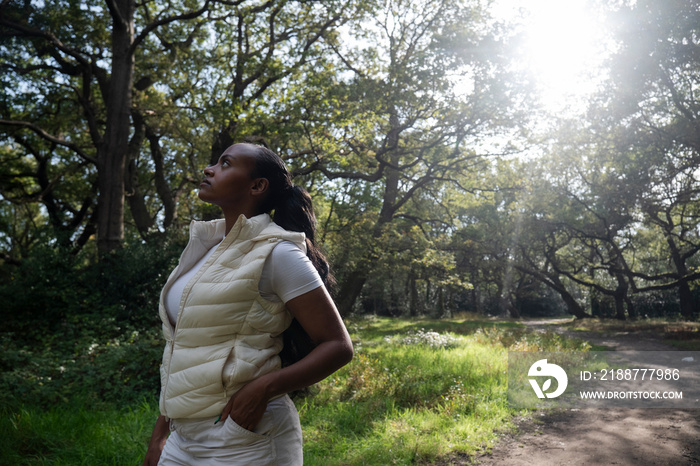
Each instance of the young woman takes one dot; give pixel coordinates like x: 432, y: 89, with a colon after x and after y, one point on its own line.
x: 240, y: 283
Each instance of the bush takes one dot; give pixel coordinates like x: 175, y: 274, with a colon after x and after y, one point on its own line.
x: 79, y: 329
x: 429, y: 338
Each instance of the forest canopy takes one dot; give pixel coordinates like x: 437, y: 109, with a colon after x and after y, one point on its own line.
x: 442, y: 181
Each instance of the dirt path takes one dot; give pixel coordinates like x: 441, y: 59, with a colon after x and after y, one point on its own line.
x: 603, y: 436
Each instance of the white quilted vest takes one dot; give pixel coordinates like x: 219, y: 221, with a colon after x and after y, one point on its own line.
x: 226, y: 334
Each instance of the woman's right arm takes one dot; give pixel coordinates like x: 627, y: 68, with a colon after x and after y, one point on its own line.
x: 158, y: 438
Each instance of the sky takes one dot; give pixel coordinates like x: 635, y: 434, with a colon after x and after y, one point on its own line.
x: 564, y: 45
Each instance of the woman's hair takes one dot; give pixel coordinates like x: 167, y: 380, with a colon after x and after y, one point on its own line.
x: 292, y: 206
x: 292, y: 209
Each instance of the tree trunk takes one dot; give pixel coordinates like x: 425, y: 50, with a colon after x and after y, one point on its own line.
x: 506, y: 304
x: 595, y: 304
x: 162, y: 187
x: 631, y: 310
x: 112, y: 152
x: 685, y: 297
x: 440, y: 305
x: 554, y: 282
x: 222, y: 141
x: 619, y: 306
x: 134, y: 197
x: 413, y: 294
x: 351, y: 290
x: 137, y: 202
x: 572, y: 305
x: 504, y: 300
x: 620, y: 296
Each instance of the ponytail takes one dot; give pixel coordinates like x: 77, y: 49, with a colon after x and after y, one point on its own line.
x: 292, y: 209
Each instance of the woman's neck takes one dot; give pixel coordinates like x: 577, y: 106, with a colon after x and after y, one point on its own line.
x: 231, y: 216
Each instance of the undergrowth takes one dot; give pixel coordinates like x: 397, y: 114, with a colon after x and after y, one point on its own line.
x: 418, y: 391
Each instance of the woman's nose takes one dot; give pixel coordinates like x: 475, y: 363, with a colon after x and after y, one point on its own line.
x: 208, y: 171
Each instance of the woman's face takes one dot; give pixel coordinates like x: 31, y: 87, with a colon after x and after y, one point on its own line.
x: 228, y: 183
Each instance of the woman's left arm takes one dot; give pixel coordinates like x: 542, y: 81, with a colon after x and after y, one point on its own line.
x: 319, y: 317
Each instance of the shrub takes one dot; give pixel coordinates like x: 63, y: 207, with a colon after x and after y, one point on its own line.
x: 429, y: 338
x: 72, y: 328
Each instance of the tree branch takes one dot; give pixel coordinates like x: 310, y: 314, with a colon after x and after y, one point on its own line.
x: 52, y: 39
x: 43, y: 134
x: 164, y: 21
x: 115, y: 13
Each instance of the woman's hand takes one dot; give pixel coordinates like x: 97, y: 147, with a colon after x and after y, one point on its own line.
x: 247, y: 406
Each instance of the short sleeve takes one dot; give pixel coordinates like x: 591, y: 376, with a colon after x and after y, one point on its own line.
x: 288, y: 273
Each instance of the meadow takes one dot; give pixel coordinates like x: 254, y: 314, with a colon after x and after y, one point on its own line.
x: 419, y: 391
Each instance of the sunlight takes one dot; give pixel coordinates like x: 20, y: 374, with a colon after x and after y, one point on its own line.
x: 563, y: 46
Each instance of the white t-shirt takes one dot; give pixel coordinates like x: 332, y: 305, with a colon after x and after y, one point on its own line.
x: 287, y: 273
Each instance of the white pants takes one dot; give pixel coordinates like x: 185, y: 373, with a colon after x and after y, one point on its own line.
x: 276, y: 440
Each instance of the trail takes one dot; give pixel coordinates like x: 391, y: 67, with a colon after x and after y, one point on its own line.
x: 602, y: 436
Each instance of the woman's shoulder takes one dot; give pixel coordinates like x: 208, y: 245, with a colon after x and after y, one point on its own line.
x: 287, y: 250
x: 276, y: 232
x: 289, y: 272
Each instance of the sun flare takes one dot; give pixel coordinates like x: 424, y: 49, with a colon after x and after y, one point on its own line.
x: 563, y: 44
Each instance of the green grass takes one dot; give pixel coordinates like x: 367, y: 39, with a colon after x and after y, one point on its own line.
x: 76, y: 434
x: 440, y: 395
x: 416, y: 403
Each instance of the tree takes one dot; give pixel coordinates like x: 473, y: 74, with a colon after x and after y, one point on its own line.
x: 403, y: 127
x: 91, y: 75
x: 111, y: 98
x: 268, y: 43
x: 651, y: 104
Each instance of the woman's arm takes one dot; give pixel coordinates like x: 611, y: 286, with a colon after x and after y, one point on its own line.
x: 319, y: 317
x: 158, y: 438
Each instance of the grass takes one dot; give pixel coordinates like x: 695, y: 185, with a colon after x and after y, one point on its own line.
x: 407, y: 401
x: 419, y: 391
x: 76, y: 434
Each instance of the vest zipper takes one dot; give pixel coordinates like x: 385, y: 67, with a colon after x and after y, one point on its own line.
x: 183, y: 299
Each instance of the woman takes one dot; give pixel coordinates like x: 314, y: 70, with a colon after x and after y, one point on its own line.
x: 239, y: 283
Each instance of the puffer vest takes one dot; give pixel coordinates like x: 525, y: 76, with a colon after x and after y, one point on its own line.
x: 226, y: 334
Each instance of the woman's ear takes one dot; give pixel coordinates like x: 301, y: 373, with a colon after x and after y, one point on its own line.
x: 260, y: 186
